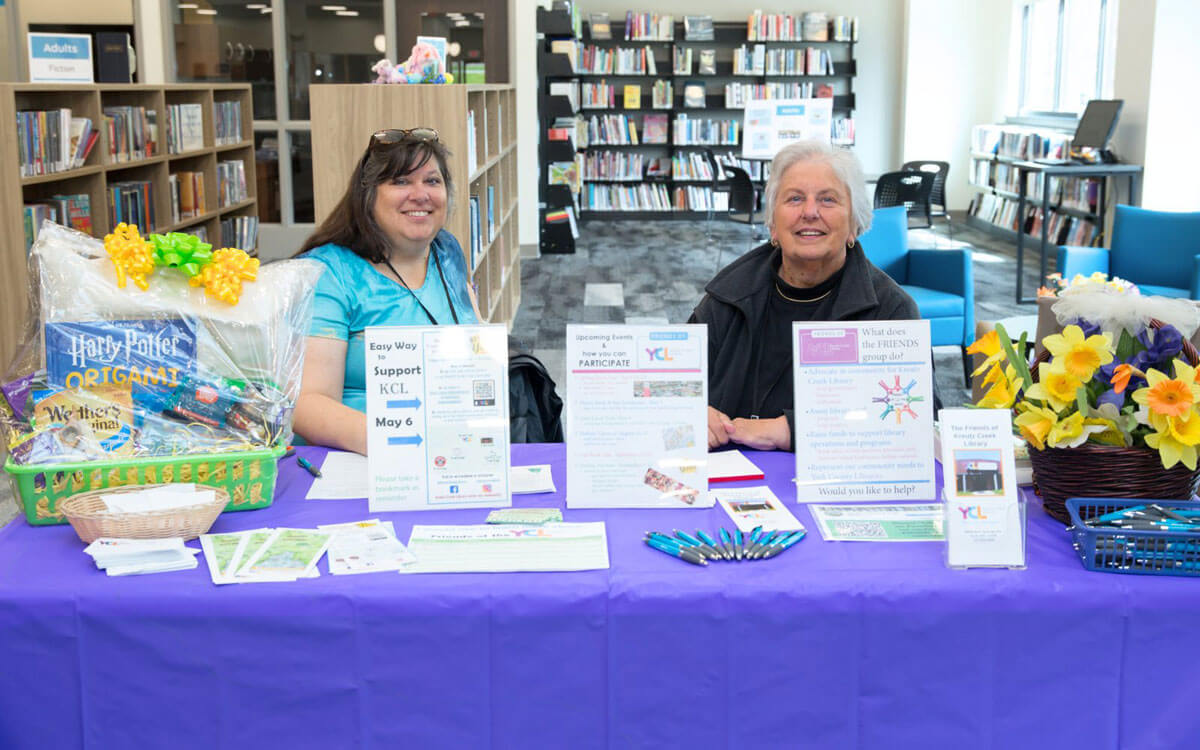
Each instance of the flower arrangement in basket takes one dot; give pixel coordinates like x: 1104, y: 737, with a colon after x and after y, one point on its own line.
x: 1111, y: 407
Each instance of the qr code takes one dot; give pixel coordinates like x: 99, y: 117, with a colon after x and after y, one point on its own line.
x: 871, y: 529
x: 484, y: 392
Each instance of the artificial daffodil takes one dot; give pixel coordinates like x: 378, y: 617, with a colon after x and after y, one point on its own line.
x: 1056, y: 386
x: 1004, y: 388
x: 1079, y: 355
x: 1035, y: 423
x: 989, y: 346
x: 1115, y: 427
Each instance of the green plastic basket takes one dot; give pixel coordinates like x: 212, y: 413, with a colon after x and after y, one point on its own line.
x: 248, y: 476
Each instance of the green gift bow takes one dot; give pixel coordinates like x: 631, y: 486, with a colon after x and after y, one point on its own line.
x: 180, y: 250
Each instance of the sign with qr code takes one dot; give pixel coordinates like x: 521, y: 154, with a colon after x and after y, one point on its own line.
x: 899, y: 522
x: 484, y: 392
x: 437, y: 417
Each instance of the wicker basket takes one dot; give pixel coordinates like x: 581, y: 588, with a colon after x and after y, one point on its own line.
x: 1093, y: 470
x: 92, y: 519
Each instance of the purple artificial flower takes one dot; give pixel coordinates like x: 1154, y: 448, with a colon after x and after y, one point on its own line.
x: 1088, y: 327
x: 1162, y: 346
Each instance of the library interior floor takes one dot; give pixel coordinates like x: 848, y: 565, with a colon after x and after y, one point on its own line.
x: 655, y: 272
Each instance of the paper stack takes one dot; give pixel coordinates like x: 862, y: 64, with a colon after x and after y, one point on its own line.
x: 262, y: 555
x: 122, y: 557
x: 366, y: 547
x: 160, y: 497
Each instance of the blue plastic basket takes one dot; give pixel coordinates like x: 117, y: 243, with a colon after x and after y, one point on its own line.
x: 1153, y: 553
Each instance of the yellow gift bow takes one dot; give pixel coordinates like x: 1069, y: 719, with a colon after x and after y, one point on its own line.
x: 222, y: 278
x: 131, y: 255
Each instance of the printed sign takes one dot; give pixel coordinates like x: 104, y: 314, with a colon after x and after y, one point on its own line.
x: 60, y: 58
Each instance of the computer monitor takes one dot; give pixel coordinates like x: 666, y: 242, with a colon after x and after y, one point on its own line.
x: 1097, y: 124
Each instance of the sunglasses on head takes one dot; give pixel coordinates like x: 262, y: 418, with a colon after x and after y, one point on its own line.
x: 392, y: 136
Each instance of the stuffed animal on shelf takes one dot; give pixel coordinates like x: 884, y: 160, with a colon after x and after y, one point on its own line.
x: 424, y: 65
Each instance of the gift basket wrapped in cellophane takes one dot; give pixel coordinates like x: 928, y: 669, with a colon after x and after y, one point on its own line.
x: 151, y: 360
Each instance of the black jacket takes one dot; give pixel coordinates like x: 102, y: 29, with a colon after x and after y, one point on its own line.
x: 735, y: 304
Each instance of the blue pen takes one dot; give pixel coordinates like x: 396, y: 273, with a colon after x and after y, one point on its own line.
x: 794, y: 537
x: 307, y: 466
x: 764, y: 542
x: 754, y: 535
x: 712, y: 543
x: 684, y: 554
x: 739, y: 543
x: 727, y: 544
x: 699, y: 545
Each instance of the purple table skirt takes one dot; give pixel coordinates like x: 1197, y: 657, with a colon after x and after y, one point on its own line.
x: 829, y: 645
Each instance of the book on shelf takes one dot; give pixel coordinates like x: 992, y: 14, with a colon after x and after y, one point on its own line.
x: 681, y: 58
x: 599, y: 26
x: 44, y: 141
x: 491, y: 211
x: 187, y: 195
x: 568, y: 47
x: 708, y: 62
x: 129, y: 134
x: 227, y: 122
x: 185, y: 128
x: 240, y: 232
x: 662, y: 94
x: 632, y: 96
x: 654, y: 128
x: 564, y: 173
x: 476, y: 234
x: 824, y: 91
x: 199, y: 231
x: 132, y: 202
x: 231, y: 182
x: 658, y: 168
x: 693, y: 94
x: 569, y: 89
x: 72, y: 211
x: 112, y: 57
x: 649, y: 27
x: 472, y: 157
x: 698, y: 28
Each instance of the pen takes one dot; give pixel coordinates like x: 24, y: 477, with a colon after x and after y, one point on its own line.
x: 307, y: 466
x: 290, y: 452
x: 703, y: 548
x: 781, y: 546
x: 712, y: 543
x: 727, y: 544
x: 739, y: 544
x: 764, y: 542
x: 682, y: 553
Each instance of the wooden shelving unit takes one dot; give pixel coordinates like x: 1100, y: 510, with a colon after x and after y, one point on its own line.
x: 345, y: 115
x: 99, y: 171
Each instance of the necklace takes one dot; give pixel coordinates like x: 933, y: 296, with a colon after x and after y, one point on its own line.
x: 437, y: 262
x: 793, y: 299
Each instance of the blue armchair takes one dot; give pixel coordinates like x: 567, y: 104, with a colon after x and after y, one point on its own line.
x: 940, y: 281
x: 1157, y: 250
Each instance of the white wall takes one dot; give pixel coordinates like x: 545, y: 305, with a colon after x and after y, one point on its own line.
x: 117, y: 12
x: 955, y: 77
x: 1171, y: 159
x: 1131, y: 77
x: 877, y: 85
x: 524, y: 46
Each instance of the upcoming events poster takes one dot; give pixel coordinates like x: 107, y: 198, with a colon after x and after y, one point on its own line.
x: 437, y: 417
x: 864, y: 411
x: 637, y: 416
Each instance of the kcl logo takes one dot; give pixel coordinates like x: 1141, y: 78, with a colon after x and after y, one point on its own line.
x: 660, y: 353
x: 972, y: 512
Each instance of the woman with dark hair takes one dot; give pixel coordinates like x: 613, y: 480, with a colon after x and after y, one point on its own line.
x: 388, y: 262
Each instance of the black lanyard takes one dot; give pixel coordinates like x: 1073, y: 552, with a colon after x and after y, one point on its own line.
x: 437, y: 262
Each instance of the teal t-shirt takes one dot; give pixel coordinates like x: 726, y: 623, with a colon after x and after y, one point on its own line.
x: 352, y: 295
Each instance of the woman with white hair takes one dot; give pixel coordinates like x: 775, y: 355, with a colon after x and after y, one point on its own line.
x: 812, y: 269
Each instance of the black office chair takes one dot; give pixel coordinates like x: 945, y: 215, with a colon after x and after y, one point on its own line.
x: 910, y: 189
x: 937, y: 197
x: 745, y: 202
x: 719, y: 184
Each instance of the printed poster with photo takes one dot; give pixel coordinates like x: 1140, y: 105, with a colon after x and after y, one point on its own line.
x: 864, y: 411
x: 771, y: 124
x: 637, y: 416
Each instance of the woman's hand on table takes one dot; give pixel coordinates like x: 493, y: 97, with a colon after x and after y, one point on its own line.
x: 719, y: 427
x: 760, y: 434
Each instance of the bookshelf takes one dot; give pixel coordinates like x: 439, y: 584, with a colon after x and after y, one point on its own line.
x: 345, y: 115
x: 558, y: 29
x: 102, y: 172
x: 703, y: 110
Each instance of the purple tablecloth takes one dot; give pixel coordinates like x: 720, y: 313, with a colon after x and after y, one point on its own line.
x: 829, y: 645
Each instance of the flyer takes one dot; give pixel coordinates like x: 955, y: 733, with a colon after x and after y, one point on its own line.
x: 637, y: 416
x: 892, y: 522
x: 751, y: 507
x: 864, y: 411
x: 984, y: 525
x: 771, y: 124
x: 437, y: 417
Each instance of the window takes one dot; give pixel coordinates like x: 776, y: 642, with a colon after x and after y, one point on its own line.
x: 1066, y: 54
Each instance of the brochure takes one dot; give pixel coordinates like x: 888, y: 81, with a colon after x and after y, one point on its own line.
x: 863, y: 411
x: 483, y: 548
x: 984, y: 523
x: 637, y: 416
x: 750, y: 507
x: 896, y: 522
x: 437, y: 417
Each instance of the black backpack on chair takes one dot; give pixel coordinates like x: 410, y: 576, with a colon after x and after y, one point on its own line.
x: 534, y: 408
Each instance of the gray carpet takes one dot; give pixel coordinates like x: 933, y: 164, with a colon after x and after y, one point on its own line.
x: 655, y: 271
